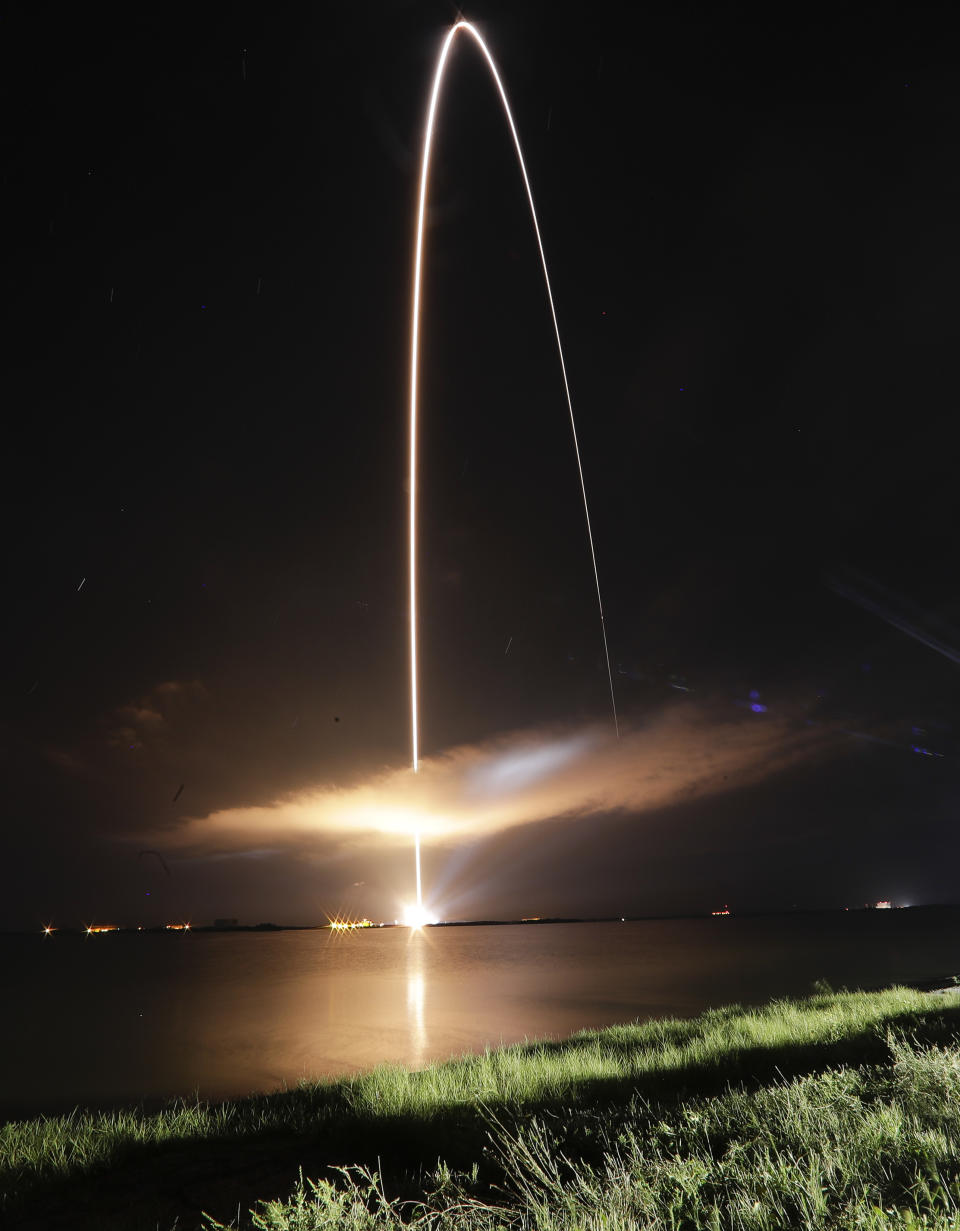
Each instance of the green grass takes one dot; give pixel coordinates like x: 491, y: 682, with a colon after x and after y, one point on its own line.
x: 840, y: 1111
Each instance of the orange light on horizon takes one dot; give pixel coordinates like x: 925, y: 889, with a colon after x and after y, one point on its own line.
x: 348, y: 925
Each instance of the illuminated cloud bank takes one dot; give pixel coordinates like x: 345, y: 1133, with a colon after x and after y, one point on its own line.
x: 474, y: 791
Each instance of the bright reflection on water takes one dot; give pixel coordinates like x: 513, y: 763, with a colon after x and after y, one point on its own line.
x: 122, y: 1017
x: 415, y: 995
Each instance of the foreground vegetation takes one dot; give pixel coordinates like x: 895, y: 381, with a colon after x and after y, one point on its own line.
x: 840, y: 1111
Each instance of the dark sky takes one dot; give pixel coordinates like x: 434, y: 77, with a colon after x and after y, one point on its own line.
x: 751, y: 228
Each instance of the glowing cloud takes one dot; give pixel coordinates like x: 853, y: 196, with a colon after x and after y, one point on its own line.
x: 528, y: 776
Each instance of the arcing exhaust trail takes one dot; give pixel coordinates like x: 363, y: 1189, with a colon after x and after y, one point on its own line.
x: 467, y: 28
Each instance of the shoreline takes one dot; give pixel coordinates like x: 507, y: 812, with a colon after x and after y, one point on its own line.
x: 940, y: 987
x: 269, y: 928
x: 634, y: 1102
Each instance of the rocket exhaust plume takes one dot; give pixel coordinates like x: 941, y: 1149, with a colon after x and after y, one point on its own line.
x: 467, y: 28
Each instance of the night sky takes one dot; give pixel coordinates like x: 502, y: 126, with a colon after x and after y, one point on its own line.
x: 751, y: 228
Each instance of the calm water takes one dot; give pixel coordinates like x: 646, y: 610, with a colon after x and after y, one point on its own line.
x: 110, y: 1019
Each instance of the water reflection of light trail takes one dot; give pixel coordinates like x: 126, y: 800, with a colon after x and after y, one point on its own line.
x: 416, y: 995
x: 467, y: 28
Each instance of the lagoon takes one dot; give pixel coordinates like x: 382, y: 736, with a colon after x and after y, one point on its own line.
x: 125, y: 1018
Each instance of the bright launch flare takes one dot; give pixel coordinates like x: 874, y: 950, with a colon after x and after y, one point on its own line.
x: 466, y: 27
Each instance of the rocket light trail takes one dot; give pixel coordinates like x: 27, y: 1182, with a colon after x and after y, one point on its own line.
x: 415, y: 330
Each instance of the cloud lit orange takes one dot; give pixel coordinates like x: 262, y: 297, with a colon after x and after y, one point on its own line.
x: 527, y: 776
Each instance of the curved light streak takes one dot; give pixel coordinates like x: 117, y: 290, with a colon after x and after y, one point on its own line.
x: 415, y: 331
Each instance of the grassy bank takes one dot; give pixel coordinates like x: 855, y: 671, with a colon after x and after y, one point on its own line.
x: 838, y: 1111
